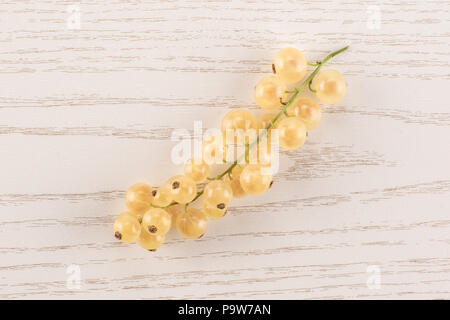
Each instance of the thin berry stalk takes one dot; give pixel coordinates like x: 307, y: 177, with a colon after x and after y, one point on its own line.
x: 283, y: 111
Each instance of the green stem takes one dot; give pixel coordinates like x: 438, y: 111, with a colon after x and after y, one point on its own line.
x: 311, y: 89
x: 283, y: 110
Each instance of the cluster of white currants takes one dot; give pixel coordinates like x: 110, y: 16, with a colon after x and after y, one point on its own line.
x: 153, y: 212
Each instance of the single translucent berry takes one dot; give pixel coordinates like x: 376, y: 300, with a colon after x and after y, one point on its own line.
x: 174, y: 211
x: 218, y: 192
x: 255, y: 179
x: 214, y: 211
x: 291, y: 133
x: 266, y: 119
x: 150, y: 241
x: 192, y: 224
x: 213, y: 149
x: 307, y: 110
x: 139, y: 198
x: 239, y: 120
x: 161, y: 197
x: 127, y: 228
x: 197, y: 170
x: 182, y: 189
x: 269, y: 93
x: 157, y: 221
x: 234, y: 181
x: 330, y: 86
x: 290, y: 65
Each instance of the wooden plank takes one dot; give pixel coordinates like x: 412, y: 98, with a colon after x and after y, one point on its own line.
x: 84, y: 113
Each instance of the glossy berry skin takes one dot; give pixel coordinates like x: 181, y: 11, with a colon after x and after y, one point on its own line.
x: 192, y: 224
x: 255, y: 179
x: 330, y: 86
x: 290, y: 65
x: 239, y: 127
x: 218, y: 192
x: 213, y: 149
x: 127, y: 228
x: 174, y: 211
x: 239, y: 120
x: 182, y: 189
x: 264, y: 149
x: 235, y: 182
x: 197, y: 170
x: 265, y: 120
x: 157, y: 221
x: 150, y: 241
x: 269, y: 92
x: 161, y: 197
x: 307, y: 110
x: 291, y: 133
x: 139, y: 198
x: 212, y: 211
x: 262, y: 152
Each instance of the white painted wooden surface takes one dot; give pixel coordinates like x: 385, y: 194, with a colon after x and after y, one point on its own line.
x: 86, y: 113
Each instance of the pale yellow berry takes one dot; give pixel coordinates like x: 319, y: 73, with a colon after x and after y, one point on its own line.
x: 269, y: 92
x: 235, y: 183
x: 213, y: 211
x: 307, y: 110
x: 330, y: 86
x: 149, y: 241
x: 290, y: 65
x: 127, y: 228
x: 266, y: 119
x: 174, y: 211
x: 255, y: 179
x: 213, y: 149
x: 182, y: 189
x: 218, y: 193
x: 239, y: 120
x: 157, y: 221
x: 192, y: 224
x: 197, y: 170
x: 291, y: 133
x: 139, y: 198
x: 262, y: 152
x: 161, y: 197
x: 239, y: 128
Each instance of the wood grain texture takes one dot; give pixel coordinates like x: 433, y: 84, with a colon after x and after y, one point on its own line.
x: 84, y: 113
